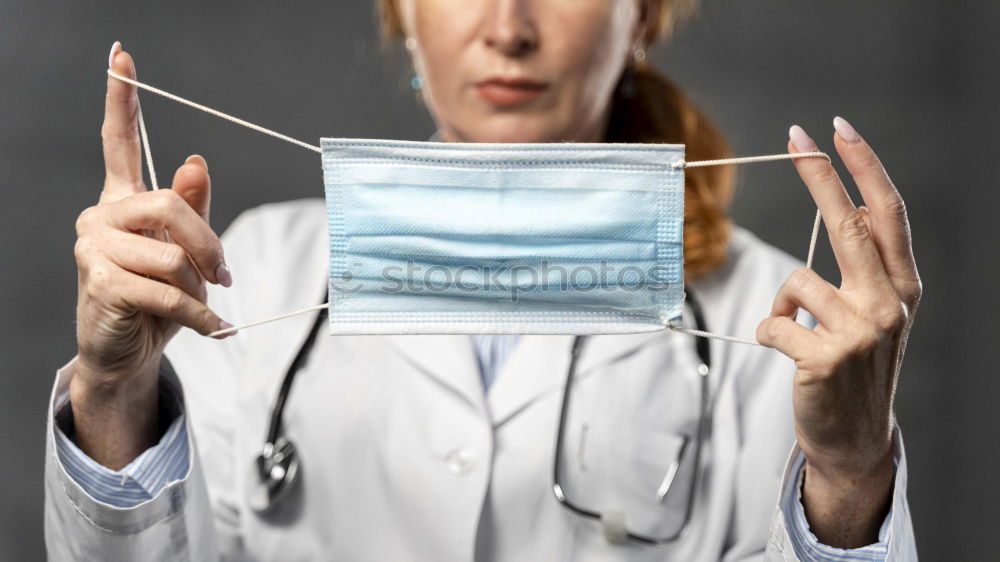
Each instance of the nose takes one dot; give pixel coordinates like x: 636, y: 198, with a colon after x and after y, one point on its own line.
x: 510, y: 28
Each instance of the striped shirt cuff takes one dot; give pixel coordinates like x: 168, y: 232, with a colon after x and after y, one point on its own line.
x: 807, y: 546
x: 144, y: 477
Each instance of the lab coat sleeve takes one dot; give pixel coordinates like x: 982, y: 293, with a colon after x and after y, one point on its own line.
x: 196, y: 517
x: 142, y: 478
x: 176, y: 523
x: 791, y: 539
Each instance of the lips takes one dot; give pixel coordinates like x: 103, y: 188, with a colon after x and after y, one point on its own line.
x: 508, y: 92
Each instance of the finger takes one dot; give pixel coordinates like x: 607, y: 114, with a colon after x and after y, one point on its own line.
x: 166, y: 301
x: 887, y: 218
x: 194, y: 185
x: 120, y: 132
x: 857, y: 257
x: 145, y: 256
x: 805, y: 289
x: 165, y: 210
x: 865, y: 215
x: 784, y: 334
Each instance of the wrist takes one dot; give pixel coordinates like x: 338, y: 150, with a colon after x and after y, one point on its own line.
x: 851, y: 454
x: 851, y: 478
x: 94, y: 383
x: 846, y: 506
x: 115, y: 418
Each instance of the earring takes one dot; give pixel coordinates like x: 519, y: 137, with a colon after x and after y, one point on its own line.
x: 410, y: 43
x: 627, y: 86
x: 417, y: 82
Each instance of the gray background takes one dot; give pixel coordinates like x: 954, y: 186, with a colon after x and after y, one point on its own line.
x: 917, y: 78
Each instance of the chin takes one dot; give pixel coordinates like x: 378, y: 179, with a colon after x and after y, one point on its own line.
x: 511, y: 129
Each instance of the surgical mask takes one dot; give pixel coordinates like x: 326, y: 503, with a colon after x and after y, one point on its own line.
x: 443, y: 238
x: 430, y: 237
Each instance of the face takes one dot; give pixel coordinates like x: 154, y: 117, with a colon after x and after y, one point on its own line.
x: 521, y: 70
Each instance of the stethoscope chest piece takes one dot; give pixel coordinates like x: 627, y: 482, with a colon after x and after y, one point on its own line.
x: 274, y: 475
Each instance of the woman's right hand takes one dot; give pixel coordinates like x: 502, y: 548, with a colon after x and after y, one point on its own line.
x: 137, y: 284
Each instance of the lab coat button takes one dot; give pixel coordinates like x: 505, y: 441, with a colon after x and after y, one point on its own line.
x: 460, y: 461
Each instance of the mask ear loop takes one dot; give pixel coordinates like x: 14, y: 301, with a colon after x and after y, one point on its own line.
x: 679, y: 165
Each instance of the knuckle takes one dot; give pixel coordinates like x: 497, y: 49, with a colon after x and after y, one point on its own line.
x: 113, y: 130
x: 827, y: 174
x: 83, y: 249
x: 99, y: 280
x: 773, y: 329
x: 86, y: 220
x: 802, y: 278
x: 852, y: 226
x: 111, y: 134
x: 172, y: 300
x: 915, y: 293
x: 895, y: 207
x: 870, y: 164
x: 206, y: 321
x: 168, y: 202
x: 207, y: 247
x: 891, y: 319
x: 201, y: 293
x: 172, y: 259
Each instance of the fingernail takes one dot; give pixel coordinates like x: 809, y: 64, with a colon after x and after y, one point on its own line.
x: 802, y: 141
x: 223, y: 325
x: 845, y: 130
x: 115, y: 49
x: 199, y: 159
x: 223, y: 274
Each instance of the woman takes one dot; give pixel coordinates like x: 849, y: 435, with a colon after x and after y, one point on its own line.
x: 441, y: 448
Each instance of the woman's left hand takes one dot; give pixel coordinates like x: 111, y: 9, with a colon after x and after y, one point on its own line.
x: 847, y: 367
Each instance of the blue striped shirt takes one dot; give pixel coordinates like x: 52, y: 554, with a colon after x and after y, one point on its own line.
x: 491, y: 353
x: 806, y: 545
x: 146, y: 475
x: 168, y: 461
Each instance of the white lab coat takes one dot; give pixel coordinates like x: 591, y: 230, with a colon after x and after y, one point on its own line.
x: 404, y: 457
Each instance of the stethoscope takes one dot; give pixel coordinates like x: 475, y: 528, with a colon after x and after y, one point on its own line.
x: 276, y: 469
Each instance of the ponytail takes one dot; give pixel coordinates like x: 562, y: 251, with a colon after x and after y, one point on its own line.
x: 649, y: 108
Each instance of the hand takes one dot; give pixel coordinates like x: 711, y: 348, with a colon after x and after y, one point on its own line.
x: 848, y: 366
x: 135, y: 289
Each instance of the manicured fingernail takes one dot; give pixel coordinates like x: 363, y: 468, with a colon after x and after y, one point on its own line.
x: 115, y: 49
x: 223, y: 325
x: 198, y: 158
x: 801, y: 140
x: 845, y: 130
x: 223, y: 274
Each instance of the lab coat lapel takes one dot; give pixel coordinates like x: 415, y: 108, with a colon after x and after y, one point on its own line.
x: 602, y: 350
x: 538, y: 365
x: 448, y: 358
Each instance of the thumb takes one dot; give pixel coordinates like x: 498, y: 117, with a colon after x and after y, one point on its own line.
x: 192, y: 183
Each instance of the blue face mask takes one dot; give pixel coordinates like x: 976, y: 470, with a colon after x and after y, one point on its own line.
x: 430, y: 237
